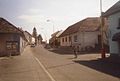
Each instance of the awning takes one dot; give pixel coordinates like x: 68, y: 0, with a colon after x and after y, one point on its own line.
x: 116, y: 37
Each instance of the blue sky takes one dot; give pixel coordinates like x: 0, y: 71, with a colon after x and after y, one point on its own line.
x: 61, y: 13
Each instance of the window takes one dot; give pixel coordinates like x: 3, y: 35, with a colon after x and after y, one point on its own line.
x: 75, y: 38
x: 62, y: 39
x: 69, y: 39
x: 118, y: 23
x: 11, y: 45
x: 66, y: 39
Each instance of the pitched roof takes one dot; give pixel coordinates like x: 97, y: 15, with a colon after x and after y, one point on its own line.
x: 28, y: 33
x: 71, y: 29
x: 88, y: 24
x: 40, y: 37
x: 114, y: 9
x: 7, y: 27
x: 54, y: 34
x: 59, y: 33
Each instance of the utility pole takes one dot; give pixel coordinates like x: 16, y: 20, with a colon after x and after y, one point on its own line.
x: 102, y: 33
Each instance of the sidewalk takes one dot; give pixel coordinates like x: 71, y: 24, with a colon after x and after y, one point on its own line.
x: 21, y: 68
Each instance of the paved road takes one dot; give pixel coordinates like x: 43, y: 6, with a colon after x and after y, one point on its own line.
x: 39, y: 64
x: 87, y: 67
x: 21, y: 68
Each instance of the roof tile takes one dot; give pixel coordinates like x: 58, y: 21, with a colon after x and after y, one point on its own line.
x: 88, y: 24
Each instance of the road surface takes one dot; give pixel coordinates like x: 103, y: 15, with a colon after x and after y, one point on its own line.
x: 87, y: 67
x: 40, y: 64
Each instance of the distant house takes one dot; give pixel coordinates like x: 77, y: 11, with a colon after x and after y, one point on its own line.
x: 39, y: 39
x: 33, y: 40
x: 54, y: 40
x: 28, y: 36
x: 34, y: 34
x: 113, y: 16
x: 12, y: 39
x: 84, y: 34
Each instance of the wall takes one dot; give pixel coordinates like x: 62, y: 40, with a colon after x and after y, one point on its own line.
x: 28, y: 37
x: 89, y: 39
x: 7, y: 37
x: 84, y: 39
x: 113, y: 24
x: 65, y: 43
x: 23, y: 44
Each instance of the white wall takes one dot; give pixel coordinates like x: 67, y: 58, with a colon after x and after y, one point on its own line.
x: 85, y: 39
x: 113, y: 24
x: 68, y: 43
x: 90, y: 39
x: 23, y: 44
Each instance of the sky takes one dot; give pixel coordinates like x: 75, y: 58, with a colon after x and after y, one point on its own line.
x: 49, y: 16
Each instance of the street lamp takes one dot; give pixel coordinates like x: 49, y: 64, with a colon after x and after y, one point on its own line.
x: 52, y: 23
x: 101, y: 25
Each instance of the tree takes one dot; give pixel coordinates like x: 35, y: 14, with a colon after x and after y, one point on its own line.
x: 40, y: 39
x: 34, y: 34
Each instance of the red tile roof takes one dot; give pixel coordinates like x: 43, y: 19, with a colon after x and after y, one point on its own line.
x: 88, y: 24
x: 7, y: 27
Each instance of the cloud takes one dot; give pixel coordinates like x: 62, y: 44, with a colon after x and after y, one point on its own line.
x: 33, y: 18
x: 34, y: 11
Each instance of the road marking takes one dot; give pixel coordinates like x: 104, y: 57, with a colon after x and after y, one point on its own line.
x: 43, y: 67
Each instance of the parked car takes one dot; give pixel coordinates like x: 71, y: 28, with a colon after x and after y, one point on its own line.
x: 32, y: 45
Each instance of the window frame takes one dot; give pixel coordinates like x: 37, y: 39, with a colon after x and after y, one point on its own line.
x: 65, y: 39
x: 75, y: 38
x: 12, y: 45
x: 62, y: 39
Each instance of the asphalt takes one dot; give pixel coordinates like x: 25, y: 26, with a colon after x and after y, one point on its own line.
x: 51, y: 66
x: 87, y: 67
x: 21, y: 68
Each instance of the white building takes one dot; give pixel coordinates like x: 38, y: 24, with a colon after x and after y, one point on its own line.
x: 54, y: 40
x: 28, y: 37
x: 84, y: 34
x: 33, y: 40
x: 113, y: 15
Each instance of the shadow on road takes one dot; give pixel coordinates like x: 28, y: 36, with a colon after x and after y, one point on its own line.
x: 107, y: 66
x: 69, y: 51
x: 59, y: 51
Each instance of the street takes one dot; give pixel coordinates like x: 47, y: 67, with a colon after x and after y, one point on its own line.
x: 60, y: 40
x: 40, y: 64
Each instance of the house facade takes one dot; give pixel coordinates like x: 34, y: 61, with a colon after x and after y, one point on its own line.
x: 12, y: 40
x: 113, y: 16
x: 39, y: 39
x: 84, y: 34
x: 28, y: 36
x: 54, y: 40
